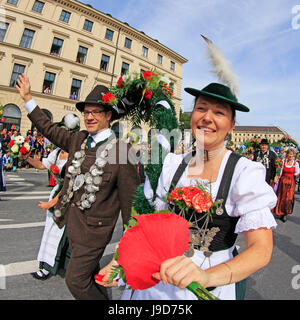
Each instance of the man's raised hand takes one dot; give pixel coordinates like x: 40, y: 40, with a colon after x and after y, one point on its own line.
x: 23, y: 86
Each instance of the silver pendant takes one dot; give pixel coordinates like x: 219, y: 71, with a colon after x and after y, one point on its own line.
x: 78, y: 182
x: 76, y: 163
x: 57, y: 213
x: 88, y: 178
x: 86, y: 204
x: 95, y: 172
x: 71, y: 169
x: 97, y: 180
x: 100, y: 163
x: 91, y: 198
x: 189, y: 253
x: 91, y: 188
x: 207, y: 253
x: 219, y: 211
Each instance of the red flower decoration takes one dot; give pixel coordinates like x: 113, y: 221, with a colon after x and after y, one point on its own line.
x: 147, y: 75
x: 54, y: 169
x: 148, y: 94
x: 109, y: 98
x: 193, y: 197
x: 120, y: 83
x: 23, y: 150
x: 11, y: 143
x: 176, y: 194
x: 202, y: 202
x: 189, y: 193
x: 156, y: 238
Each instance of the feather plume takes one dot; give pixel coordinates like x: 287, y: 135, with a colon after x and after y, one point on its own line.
x: 222, y: 66
x: 71, y: 121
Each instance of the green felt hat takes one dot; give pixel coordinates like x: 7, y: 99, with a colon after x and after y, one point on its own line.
x: 220, y: 92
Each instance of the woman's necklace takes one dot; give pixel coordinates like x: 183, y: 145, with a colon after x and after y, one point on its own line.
x: 208, y: 155
x: 91, y: 179
x: 196, y: 166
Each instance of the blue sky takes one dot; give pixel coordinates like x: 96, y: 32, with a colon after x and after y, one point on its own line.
x: 261, y: 38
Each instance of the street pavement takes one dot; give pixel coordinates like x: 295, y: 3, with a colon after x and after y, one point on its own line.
x: 21, y: 228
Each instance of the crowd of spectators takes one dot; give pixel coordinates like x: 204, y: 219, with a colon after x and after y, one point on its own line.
x: 41, y: 148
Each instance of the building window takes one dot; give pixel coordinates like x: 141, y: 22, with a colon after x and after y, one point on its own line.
x: 38, y: 6
x: 75, y: 89
x: 128, y: 43
x: 109, y: 34
x: 125, y: 68
x: 145, y: 51
x: 104, y: 62
x: 17, y: 71
x: 27, y: 38
x: 49, y: 82
x: 56, y: 47
x: 81, y: 55
x: 15, y: 2
x: 172, y: 65
x: 65, y: 16
x: 159, y: 59
x: 3, y: 29
x: 88, y: 25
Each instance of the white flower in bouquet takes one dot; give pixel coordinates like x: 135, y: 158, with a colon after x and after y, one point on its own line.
x: 19, y: 139
x: 27, y: 145
x: 15, y: 148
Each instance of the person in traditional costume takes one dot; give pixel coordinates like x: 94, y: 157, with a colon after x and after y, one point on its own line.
x: 54, y: 250
x: 286, y: 186
x: 2, y: 180
x: 246, y: 203
x: 267, y: 158
x: 100, y: 182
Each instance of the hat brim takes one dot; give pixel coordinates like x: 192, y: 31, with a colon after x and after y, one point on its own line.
x: 235, y: 105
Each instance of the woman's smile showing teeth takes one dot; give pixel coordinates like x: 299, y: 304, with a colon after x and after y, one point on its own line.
x: 206, y: 130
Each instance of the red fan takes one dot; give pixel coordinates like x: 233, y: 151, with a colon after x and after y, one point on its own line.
x: 156, y: 238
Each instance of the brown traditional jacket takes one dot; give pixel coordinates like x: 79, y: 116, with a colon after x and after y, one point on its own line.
x: 92, y: 227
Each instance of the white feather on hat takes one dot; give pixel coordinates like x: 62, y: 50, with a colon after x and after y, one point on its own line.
x: 222, y: 66
x: 71, y: 121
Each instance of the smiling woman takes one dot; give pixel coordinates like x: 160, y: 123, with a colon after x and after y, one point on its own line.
x: 214, y: 120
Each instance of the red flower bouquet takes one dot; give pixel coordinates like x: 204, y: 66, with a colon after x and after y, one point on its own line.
x: 19, y: 146
x: 191, y: 197
x: 153, y: 238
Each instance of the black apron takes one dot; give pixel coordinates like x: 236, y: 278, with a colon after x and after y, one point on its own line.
x: 226, y: 237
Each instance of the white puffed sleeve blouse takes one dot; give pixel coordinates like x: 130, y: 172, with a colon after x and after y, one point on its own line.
x: 249, y: 197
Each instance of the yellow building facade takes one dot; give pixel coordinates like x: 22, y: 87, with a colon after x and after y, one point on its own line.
x: 241, y: 134
x: 66, y: 48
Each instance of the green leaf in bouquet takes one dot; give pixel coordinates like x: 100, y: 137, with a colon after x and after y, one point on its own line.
x: 132, y: 222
